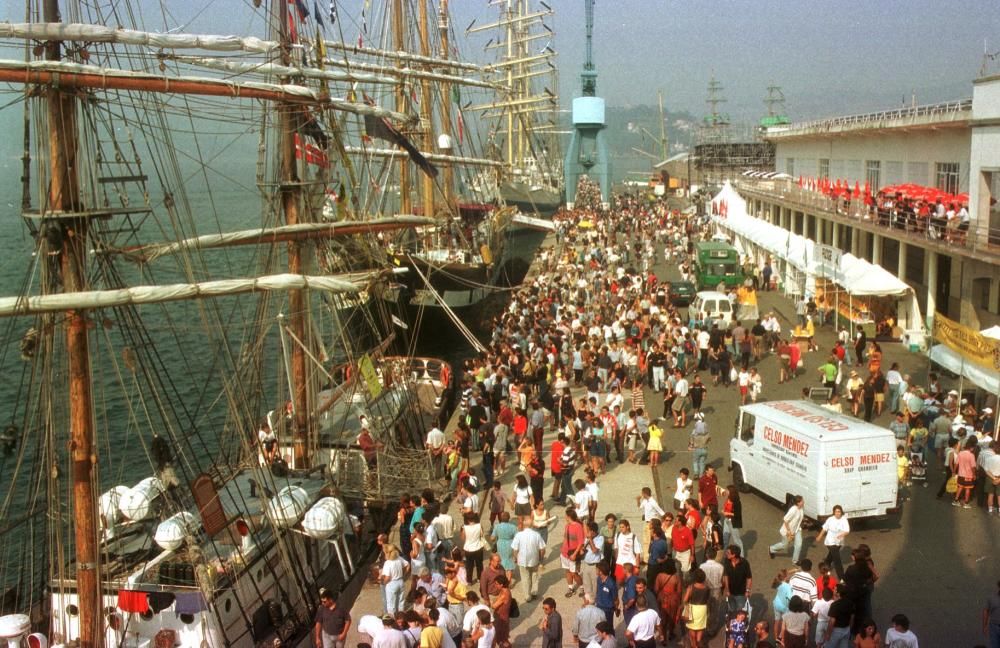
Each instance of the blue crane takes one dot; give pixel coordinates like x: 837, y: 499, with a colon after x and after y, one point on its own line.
x: 587, y: 154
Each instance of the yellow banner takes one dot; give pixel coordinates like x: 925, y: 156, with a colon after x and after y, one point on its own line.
x: 968, y: 343
x: 370, y: 376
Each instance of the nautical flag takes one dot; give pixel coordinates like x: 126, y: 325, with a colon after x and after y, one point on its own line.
x: 318, y: 14
x: 311, y: 153
x: 302, y: 10
x: 382, y: 129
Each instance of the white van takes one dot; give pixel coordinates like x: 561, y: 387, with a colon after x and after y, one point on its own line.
x: 785, y: 448
x: 712, y: 307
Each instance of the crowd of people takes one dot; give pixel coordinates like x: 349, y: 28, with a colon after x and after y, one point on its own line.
x: 596, y: 322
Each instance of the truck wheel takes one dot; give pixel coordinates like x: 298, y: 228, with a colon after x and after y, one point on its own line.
x: 738, y: 481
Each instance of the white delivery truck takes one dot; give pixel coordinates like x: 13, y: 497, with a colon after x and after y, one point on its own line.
x: 785, y: 448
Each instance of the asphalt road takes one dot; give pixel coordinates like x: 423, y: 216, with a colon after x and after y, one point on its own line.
x: 937, y: 563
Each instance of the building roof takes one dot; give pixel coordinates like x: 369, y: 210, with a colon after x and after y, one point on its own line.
x: 951, y: 114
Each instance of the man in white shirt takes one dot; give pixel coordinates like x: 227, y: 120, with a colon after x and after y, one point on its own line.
x: 528, y: 549
x: 679, y: 407
x: 470, y: 622
x: 644, y: 626
x: 791, y: 531
x: 713, y: 580
x: 582, y: 499
x: 893, y: 378
x: 835, y: 529
x: 389, y: 636
x: 650, y: 510
x: 435, y: 444
x: 803, y: 583
x: 900, y: 635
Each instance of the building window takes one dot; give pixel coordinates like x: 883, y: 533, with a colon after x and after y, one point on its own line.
x: 947, y: 177
x: 873, y: 174
x: 824, y: 167
x: 790, y: 166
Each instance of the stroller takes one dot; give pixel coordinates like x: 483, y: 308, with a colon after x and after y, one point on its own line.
x: 918, y: 467
x: 738, y: 627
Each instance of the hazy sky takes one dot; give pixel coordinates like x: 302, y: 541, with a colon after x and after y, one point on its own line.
x: 829, y: 56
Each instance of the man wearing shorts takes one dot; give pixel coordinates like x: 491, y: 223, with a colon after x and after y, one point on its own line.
x: 992, y: 469
x: 679, y: 406
x: 572, y: 551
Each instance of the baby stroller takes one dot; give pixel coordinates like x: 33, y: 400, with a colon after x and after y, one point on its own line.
x: 918, y: 467
x: 738, y: 625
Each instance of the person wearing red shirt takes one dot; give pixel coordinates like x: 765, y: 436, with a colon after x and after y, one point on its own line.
x: 505, y: 419
x: 708, y: 489
x: 555, y: 461
x: 572, y: 551
x: 682, y: 539
x: 794, y: 355
x: 840, y: 351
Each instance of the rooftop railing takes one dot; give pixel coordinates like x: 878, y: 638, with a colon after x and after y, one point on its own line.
x: 979, y: 240
x: 947, y: 111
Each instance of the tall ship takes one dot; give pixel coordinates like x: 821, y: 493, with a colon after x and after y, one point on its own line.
x: 203, y: 393
x: 457, y: 269
x: 524, y: 121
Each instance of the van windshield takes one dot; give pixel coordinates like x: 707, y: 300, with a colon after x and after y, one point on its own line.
x: 745, y: 425
x: 724, y: 306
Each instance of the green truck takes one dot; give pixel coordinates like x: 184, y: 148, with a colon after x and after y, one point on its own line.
x: 717, y: 262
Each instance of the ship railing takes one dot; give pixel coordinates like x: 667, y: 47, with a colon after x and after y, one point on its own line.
x: 979, y: 240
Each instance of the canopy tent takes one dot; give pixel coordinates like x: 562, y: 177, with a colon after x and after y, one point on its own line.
x: 986, y: 378
x: 804, y: 264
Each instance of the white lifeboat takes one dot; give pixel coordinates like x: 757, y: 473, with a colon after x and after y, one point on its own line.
x: 286, y: 508
x: 13, y: 627
x: 137, y: 503
x: 325, y: 518
x: 171, y: 533
x: 108, y: 506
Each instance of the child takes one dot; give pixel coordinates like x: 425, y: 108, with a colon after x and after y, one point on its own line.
x: 902, y: 467
x: 682, y: 492
x: 900, y: 634
x: 821, y: 611
x: 756, y: 384
x: 737, y: 630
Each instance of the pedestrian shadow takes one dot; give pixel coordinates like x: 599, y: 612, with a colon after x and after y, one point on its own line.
x: 749, y: 540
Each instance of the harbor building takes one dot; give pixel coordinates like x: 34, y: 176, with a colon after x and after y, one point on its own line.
x: 951, y: 147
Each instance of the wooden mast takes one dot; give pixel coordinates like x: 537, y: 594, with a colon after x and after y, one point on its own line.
x: 64, y: 196
x: 398, y: 20
x: 426, y: 114
x: 510, y: 84
x: 290, y: 202
x: 449, y: 172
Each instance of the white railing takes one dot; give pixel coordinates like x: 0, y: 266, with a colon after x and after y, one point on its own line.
x: 979, y: 240
x: 949, y: 109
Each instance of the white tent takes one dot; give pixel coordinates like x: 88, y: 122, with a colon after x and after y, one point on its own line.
x: 955, y: 363
x: 857, y: 276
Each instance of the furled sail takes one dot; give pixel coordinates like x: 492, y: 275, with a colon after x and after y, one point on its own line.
x: 136, y: 295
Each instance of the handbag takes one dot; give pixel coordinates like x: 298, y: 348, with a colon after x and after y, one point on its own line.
x: 951, y: 485
x: 686, y: 612
x: 515, y: 611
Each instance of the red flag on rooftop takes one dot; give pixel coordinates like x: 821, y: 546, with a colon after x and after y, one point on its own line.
x: 800, y: 182
x: 857, y: 190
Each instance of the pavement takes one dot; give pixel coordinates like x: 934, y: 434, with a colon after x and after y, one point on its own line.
x: 937, y: 563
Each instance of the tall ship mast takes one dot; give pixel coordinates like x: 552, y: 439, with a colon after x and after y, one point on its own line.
x: 524, y: 122
x: 193, y: 345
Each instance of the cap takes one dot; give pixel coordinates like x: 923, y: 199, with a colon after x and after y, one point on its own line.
x: 987, y: 410
x: 953, y: 393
